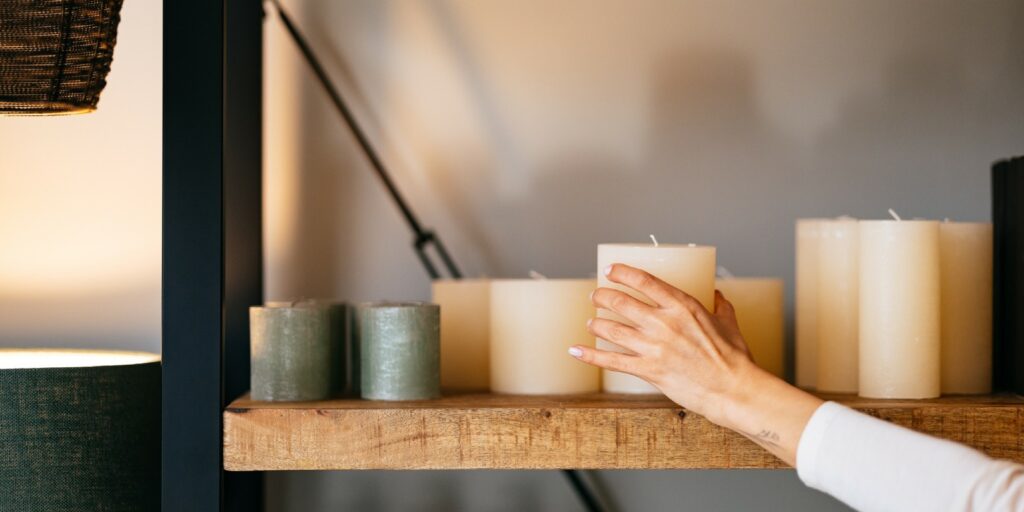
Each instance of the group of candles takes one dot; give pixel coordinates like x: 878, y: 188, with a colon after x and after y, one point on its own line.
x: 894, y: 308
x: 313, y: 350
x: 503, y: 335
x: 512, y: 335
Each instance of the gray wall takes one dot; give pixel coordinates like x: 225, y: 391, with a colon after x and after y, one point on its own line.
x: 527, y: 132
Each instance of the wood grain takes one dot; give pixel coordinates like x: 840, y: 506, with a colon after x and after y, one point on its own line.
x: 599, y: 431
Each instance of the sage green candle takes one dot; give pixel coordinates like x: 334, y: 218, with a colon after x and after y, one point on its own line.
x: 343, y: 356
x: 399, y: 350
x: 292, y: 351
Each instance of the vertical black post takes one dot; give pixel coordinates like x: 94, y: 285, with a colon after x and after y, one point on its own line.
x: 193, y: 250
x: 243, y: 207
x: 1008, y: 279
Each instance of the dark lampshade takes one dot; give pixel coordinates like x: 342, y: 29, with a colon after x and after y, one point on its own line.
x: 79, y: 430
x: 55, y: 54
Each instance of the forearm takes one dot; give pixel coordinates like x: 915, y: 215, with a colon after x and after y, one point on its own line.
x: 873, y: 465
x: 769, y: 411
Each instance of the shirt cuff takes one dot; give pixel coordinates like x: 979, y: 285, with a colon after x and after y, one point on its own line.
x: 810, y: 441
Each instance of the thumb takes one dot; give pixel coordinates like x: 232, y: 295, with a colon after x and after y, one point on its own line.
x: 724, y: 310
x: 725, y: 314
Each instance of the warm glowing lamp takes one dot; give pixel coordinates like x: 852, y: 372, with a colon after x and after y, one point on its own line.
x: 55, y: 54
x: 79, y: 430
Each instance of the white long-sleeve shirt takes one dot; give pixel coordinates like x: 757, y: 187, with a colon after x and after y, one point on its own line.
x: 873, y: 465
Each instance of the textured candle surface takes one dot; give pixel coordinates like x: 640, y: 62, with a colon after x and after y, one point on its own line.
x: 899, y: 309
x: 965, y: 260
x: 689, y: 267
x: 838, y: 302
x: 465, y: 333
x: 341, y: 343
x: 291, y: 352
x: 807, y: 240
x: 399, y: 350
x: 759, y: 311
x: 533, y: 324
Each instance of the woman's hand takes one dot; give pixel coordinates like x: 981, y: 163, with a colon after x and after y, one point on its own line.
x: 697, y: 358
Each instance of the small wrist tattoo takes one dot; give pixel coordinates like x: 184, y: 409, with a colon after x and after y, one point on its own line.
x: 768, y: 435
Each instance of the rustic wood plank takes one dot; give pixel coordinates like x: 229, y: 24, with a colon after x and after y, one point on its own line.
x: 599, y: 431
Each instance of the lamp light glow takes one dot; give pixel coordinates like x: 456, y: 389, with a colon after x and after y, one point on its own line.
x: 15, y: 358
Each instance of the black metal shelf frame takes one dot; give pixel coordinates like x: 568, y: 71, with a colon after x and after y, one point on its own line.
x: 212, y: 242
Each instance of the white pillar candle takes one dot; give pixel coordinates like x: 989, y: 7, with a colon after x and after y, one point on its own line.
x: 465, y: 333
x: 807, y: 240
x: 533, y: 324
x: 965, y: 259
x: 837, y: 294
x: 899, y: 309
x: 689, y: 267
x: 759, y: 311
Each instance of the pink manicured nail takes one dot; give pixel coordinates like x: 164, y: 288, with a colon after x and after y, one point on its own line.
x: 608, y: 269
x: 575, y: 351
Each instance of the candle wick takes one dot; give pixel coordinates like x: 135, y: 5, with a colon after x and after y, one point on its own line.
x: 537, y: 275
x: 724, y: 273
x: 655, y: 240
x: 894, y: 214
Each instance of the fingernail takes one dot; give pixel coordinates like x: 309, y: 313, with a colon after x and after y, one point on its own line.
x: 592, y: 295
x: 590, y: 321
x: 575, y: 351
x: 608, y: 269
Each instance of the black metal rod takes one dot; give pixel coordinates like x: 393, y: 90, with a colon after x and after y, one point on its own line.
x: 582, y: 491
x: 423, y: 237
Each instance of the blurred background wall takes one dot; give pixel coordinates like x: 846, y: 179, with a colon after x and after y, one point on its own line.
x: 527, y: 132
x: 80, y: 208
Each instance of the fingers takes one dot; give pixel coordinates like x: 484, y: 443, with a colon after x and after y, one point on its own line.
x: 622, y: 335
x: 662, y: 293
x: 614, y: 361
x: 622, y: 303
x: 655, y: 289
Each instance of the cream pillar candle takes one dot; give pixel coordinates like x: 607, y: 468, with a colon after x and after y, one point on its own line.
x: 899, y: 309
x: 759, y: 311
x: 807, y: 241
x: 965, y: 263
x: 689, y: 267
x: 533, y: 324
x: 465, y: 333
x: 837, y: 297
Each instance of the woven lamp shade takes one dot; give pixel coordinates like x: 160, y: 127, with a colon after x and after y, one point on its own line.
x: 79, y: 430
x: 55, y: 54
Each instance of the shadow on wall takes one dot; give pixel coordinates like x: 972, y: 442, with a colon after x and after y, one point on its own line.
x: 708, y: 150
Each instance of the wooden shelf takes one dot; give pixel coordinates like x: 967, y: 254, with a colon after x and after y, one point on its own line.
x: 522, y: 432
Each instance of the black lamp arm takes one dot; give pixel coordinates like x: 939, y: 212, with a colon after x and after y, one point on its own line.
x: 422, y: 237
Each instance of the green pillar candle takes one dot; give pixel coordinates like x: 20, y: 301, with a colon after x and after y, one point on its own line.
x: 343, y: 355
x: 291, y: 351
x: 399, y: 349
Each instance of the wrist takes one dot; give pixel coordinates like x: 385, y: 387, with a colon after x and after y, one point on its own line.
x: 739, y: 406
